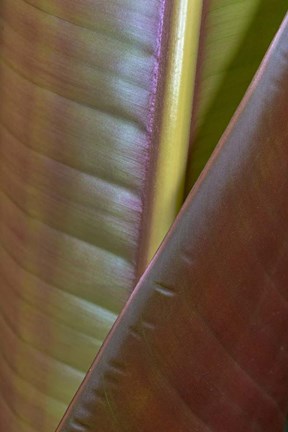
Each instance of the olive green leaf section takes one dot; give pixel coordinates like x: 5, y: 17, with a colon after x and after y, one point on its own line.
x: 80, y: 88
x: 235, y: 37
x: 202, y: 343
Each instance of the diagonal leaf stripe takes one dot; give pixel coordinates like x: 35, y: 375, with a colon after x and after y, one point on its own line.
x: 202, y: 343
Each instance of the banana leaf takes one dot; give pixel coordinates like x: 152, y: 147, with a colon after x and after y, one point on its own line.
x: 96, y: 100
x: 201, y: 344
x: 85, y: 112
x: 235, y: 35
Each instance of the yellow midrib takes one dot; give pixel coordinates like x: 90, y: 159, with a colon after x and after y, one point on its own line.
x: 175, y: 127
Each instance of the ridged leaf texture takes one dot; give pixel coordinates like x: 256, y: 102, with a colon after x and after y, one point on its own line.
x: 81, y: 86
x: 202, y: 343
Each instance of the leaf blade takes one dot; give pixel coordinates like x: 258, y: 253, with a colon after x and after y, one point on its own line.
x: 235, y: 37
x: 202, y: 341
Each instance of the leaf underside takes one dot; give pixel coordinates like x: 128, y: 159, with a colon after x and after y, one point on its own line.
x: 202, y: 343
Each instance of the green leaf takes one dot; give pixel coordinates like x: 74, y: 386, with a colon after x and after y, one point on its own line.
x: 235, y: 37
x: 81, y: 88
x: 202, y: 343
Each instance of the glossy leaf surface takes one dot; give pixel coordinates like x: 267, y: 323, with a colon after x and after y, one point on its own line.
x: 81, y: 91
x: 234, y: 38
x: 202, y: 343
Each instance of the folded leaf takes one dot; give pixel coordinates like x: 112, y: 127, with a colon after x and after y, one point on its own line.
x: 202, y: 343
